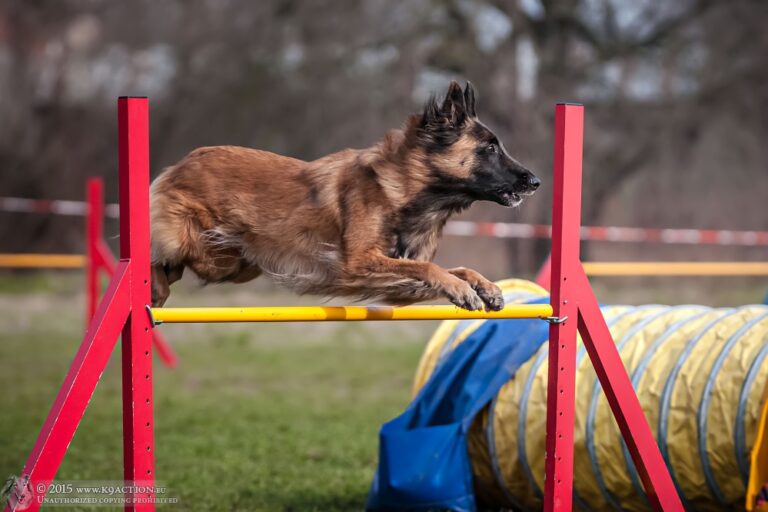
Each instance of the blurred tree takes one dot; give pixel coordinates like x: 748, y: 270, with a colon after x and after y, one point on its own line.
x: 675, y: 92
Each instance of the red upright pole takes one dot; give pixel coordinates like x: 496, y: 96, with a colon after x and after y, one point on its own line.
x: 73, y: 397
x: 164, y: 350
x: 575, y: 306
x: 566, y: 211
x: 104, y: 260
x: 94, y: 232
x: 138, y: 423
x: 99, y: 257
x: 122, y: 308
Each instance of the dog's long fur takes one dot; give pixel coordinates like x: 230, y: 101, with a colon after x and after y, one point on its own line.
x: 361, y: 223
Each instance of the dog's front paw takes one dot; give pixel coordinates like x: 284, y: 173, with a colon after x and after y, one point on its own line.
x: 462, y: 295
x: 491, y: 295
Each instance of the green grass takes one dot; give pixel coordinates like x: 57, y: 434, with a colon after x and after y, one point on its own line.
x: 24, y: 282
x: 256, y: 417
x: 268, y: 417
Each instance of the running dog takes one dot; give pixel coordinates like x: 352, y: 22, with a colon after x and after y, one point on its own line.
x: 360, y: 223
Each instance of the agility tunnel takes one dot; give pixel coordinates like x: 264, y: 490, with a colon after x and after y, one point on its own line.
x: 700, y: 374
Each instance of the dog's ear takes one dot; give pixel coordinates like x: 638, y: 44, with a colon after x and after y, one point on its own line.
x: 448, y: 116
x: 454, y: 109
x: 469, y: 99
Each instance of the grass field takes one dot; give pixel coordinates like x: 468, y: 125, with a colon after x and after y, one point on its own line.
x: 256, y: 417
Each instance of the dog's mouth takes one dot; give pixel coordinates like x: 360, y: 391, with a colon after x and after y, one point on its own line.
x: 513, y: 199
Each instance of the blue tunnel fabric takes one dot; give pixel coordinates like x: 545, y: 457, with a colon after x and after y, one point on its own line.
x: 423, y: 458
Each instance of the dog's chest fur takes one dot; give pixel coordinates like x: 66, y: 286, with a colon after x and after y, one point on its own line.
x: 415, y: 234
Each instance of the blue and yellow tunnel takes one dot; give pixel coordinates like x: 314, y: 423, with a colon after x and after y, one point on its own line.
x: 700, y: 374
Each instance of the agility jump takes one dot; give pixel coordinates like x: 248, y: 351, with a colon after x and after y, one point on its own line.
x: 125, y: 309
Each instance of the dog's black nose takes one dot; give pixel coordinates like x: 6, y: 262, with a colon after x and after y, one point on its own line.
x: 533, y: 182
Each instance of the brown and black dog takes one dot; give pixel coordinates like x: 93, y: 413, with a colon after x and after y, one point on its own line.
x: 362, y: 223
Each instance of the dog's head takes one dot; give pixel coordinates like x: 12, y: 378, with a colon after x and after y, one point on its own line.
x: 465, y: 157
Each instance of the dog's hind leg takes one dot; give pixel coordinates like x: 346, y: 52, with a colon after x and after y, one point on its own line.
x: 246, y: 273
x: 174, y: 273
x: 161, y: 287
x: 163, y: 276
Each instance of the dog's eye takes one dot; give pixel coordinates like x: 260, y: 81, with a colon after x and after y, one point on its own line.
x: 493, y: 148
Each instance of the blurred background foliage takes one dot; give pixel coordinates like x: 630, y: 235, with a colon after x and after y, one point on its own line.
x: 675, y: 91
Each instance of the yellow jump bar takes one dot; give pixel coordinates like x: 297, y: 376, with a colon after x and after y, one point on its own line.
x: 333, y: 313
x: 666, y: 268
x: 42, y: 260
